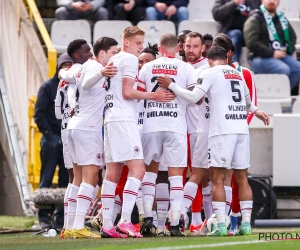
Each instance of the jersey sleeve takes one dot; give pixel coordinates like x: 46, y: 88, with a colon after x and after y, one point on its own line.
x: 142, y: 79
x: 130, y: 67
x: 70, y: 74
x: 192, y: 76
x: 92, y: 75
x: 57, y: 102
x: 71, y: 95
x: 205, y: 81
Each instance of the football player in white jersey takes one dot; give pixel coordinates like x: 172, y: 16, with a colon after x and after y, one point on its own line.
x: 197, y: 125
x: 228, y: 132
x: 122, y: 142
x: 64, y: 104
x: 84, y: 131
x: 165, y: 129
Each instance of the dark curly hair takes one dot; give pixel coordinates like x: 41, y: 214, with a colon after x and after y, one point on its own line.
x: 74, y: 46
x: 152, y: 49
x: 208, y: 37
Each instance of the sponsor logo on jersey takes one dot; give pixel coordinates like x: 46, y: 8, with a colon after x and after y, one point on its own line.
x: 199, y: 81
x: 162, y: 113
x: 231, y: 74
x: 168, y: 69
x: 136, y: 150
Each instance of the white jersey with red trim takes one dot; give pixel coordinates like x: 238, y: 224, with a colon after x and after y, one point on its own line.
x: 192, y: 112
x: 166, y: 116
x: 226, y: 90
x: 204, y: 114
x: 89, y: 103
x: 140, y: 114
x: 65, y: 96
x: 118, y: 108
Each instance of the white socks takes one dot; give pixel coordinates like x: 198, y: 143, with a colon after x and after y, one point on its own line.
x: 246, y: 210
x: 148, y: 186
x: 176, y: 198
x: 190, y: 190
x: 139, y: 201
x: 207, y: 202
x: 72, y: 204
x: 162, y: 201
x: 228, y: 192
x: 108, y: 201
x: 196, y: 218
x: 129, y: 198
x: 117, y: 208
x: 84, y: 199
x: 219, y: 208
x: 66, y: 204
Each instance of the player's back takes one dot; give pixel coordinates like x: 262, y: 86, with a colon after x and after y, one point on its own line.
x: 89, y: 104
x: 226, y: 91
x: 166, y: 116
x: 118, y: 108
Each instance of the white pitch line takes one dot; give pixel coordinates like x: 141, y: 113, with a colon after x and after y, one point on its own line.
x: 205, y: 245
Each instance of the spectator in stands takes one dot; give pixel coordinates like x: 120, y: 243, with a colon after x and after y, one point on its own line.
x: 271, y: 40
x: 131, y: 10
x: 51, y: 145
x: 92, y: 10
x: 208, y: 40
x: 174, y: 10
x: 232, y: 14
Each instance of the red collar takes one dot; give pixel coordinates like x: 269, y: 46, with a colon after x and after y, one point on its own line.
x: 199, y: 60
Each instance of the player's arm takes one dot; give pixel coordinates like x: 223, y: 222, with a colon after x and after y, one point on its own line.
x: 193, y: 94
x: 94, y: 75
x: 69, y: 74
x: 253, y: 109
x: 130, y: 93
x: 57, y: 103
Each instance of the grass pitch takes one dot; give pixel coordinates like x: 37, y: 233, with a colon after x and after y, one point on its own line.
x: 25, y: 241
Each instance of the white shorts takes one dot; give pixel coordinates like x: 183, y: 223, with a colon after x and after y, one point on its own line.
x: 67, y: 158
x: 122, y: 142
x: 86, y: 147
x: 170, y: 144
x: 229, y: 151
x: 193, y: 140
x: 162, y: 165
x: 200, y: 157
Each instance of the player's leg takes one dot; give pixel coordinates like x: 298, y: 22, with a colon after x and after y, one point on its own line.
x: 235, y: 208
x: 162, y: 200
x: 221, y: 149
x: 152, y: 145
x: 228, y: 190
x: 175, y: 154
x: 240, y: 167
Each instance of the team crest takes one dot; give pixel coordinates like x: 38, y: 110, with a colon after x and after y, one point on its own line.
x: 199, y: 81
x: 136, y: 150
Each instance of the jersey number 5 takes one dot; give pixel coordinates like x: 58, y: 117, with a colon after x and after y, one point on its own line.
x: 236, y: 93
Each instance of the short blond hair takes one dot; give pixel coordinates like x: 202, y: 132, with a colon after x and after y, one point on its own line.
x: 168, y: 40
x: 132, y: 31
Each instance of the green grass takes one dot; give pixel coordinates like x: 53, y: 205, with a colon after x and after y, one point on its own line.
x: 16, y: 222
x: 25, y: 241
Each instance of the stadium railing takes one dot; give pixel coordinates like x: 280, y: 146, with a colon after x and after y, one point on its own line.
x: 52, y: 53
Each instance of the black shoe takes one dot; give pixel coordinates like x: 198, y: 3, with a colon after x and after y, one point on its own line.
x: 176, y: 232
x: 182, y: 223
x: 146, y: 229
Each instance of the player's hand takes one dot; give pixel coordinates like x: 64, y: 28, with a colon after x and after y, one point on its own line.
x: 160, y: 7
x: 163, y: 96
x: 262, y: 116
x: 110, y: 70
x: 171, y: 10
x: 164, y: 81
x: 279, y: 54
